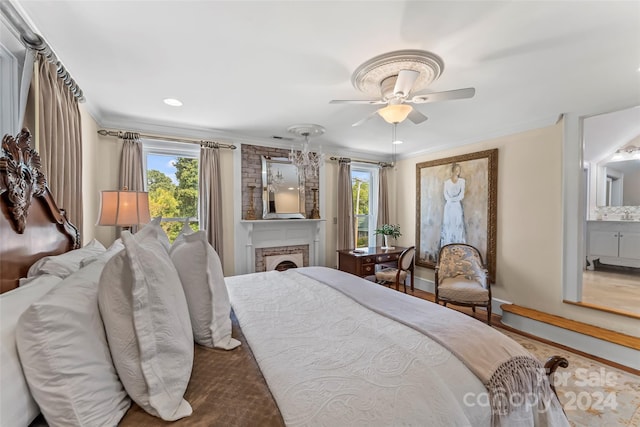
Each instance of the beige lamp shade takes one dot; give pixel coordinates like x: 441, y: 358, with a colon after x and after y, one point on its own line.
x: 124, y: 208
x: 395, y: 113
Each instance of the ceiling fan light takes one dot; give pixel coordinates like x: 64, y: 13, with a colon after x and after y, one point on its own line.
x: 395, y: 113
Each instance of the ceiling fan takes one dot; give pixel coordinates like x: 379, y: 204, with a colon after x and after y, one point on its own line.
x: 395, y: 77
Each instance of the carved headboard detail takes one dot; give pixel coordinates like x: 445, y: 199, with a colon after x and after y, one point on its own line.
x: 31, y: 224
x: 22, y: 178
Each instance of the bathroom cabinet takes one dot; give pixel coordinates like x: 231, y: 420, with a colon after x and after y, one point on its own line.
x: 614, y: 242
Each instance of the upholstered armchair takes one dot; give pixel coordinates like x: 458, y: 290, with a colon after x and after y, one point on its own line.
x: 389, y: 276
x: 461, y: 278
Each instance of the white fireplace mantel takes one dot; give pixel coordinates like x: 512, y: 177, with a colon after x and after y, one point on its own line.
x: 254, y: 234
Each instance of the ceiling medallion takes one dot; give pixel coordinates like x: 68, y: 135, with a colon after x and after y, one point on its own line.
x: 306, y: 130
x: 368, y: 77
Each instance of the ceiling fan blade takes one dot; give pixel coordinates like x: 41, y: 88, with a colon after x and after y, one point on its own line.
x: 405, y: 81
x: 443, y: 96
x: 369, y: 117
x: 416, y: 116
x: 357, y: 101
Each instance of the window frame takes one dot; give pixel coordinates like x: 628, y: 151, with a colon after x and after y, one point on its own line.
x: 177, y: 149
x: 374, y: 173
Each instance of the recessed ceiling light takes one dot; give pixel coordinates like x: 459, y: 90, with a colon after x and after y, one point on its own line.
x: 397, y: 141
x: 173, y: 102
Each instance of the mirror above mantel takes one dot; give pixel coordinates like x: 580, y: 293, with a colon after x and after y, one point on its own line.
x: 283, y: 194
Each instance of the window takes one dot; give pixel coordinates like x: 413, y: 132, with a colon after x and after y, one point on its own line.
x: 364, y: 184
x: 171, y: 176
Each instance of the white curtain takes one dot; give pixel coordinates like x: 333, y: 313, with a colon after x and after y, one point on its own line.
x: 59, y: 140
x: 383, y: 201
x: 346, y: 238
x: 211, y: 196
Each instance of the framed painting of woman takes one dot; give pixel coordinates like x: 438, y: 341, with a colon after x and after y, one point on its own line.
x: 457, y: 203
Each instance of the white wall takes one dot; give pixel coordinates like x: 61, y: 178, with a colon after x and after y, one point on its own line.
x: 529, y: 223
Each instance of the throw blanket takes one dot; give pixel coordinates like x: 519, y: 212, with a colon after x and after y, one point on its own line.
x: 503, y: 365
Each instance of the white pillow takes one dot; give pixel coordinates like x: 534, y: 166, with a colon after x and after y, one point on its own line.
x: 65, y: 264
x: 16, y: 404
x: 115, y: 247
x: 150, y: 340
x: 65, y: 356
x: 153, y: 228
x: 202, y: 279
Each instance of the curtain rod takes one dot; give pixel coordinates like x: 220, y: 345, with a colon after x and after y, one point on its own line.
x: 120, y: 134
x: 35, y: 42
x: 381, y: 164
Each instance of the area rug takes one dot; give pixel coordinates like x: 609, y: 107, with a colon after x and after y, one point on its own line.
x: 592, y: 394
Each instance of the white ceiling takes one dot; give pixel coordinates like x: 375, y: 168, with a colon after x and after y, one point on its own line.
x: 248, y: 70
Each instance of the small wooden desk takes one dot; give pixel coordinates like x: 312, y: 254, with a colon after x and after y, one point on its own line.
x: 364, y: 264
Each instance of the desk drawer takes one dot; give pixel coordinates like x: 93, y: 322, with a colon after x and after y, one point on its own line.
x: 387, y: 258
x: 367, y: 269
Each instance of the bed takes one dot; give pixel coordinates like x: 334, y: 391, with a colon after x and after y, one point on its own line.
x: 317, y: 346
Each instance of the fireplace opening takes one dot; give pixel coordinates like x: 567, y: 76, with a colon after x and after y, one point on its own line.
x: 285, y: 265
x: 283, y: 261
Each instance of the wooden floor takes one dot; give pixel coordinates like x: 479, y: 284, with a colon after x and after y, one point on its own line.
x: 612, y: 288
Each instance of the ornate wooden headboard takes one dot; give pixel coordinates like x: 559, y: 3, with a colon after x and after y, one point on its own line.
x: 31, y: 224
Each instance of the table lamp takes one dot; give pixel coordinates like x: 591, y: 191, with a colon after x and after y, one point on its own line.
x: 124, y: 208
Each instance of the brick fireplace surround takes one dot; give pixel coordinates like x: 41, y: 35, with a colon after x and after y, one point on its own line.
x: 262, y: 253
x: 254, y: 238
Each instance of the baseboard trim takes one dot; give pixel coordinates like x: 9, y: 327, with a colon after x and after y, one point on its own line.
x: 604, y: 343
x: 429, y: 286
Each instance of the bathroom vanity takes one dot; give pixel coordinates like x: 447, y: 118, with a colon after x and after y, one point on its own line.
x: 613, y: 243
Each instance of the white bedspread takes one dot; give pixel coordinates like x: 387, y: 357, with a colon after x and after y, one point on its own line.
x: 330, y: 361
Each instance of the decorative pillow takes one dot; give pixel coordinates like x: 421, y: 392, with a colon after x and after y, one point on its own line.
x: 115, y: 247
x: 16, y: 404
x: 202, y: 279
x: 153, y: 228
x: 65, y: 356
x: 150, y: 340
x: 65, y: 264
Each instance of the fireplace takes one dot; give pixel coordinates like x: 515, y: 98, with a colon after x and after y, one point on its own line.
x: 259, y: 239
x: 268, y: 259
x: 282, y: 262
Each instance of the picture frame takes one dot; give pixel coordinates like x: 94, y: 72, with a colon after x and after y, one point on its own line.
x: 456, y: 202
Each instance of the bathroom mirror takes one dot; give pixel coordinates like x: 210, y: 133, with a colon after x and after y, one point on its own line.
x: 282, y: 189
x: 613, y: 173
x: 618, y: 183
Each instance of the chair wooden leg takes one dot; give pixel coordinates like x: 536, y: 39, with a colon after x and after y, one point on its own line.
x: 489, y: 314
x: 473, y: 308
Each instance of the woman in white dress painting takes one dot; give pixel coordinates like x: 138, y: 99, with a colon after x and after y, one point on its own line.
x: 453, y: 216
